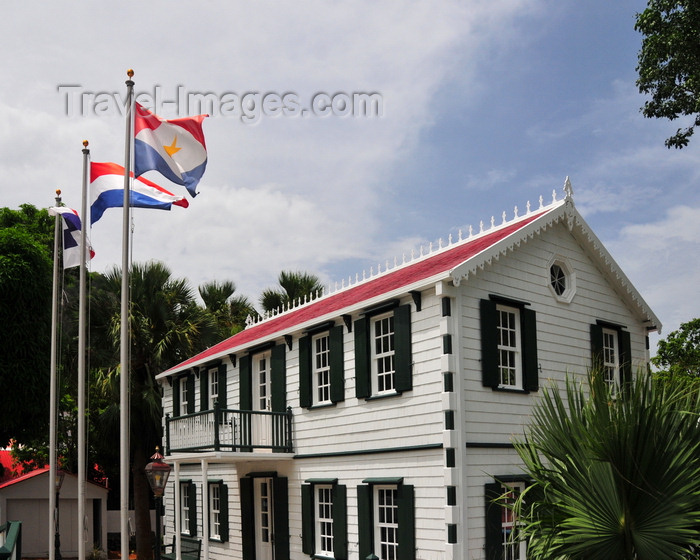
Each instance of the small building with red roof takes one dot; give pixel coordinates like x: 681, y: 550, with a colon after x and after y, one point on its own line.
x: 25, y: 498
x: 376, y: 418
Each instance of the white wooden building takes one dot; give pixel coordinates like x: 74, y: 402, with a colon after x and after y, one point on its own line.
x: 374, y: 419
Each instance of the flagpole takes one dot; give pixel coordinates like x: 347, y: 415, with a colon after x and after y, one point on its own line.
x: 53, y: 530
x: 82, y: 334
x: 124, y: 350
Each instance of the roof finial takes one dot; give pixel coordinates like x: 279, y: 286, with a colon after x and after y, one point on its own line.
x: 568, y: 189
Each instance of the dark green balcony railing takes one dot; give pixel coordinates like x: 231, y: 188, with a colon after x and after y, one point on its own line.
x: 229, y: 430
x: 11, y: 540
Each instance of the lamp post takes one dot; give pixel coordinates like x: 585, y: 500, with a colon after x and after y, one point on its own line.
x: 58, y: 482
x: 157, y: 473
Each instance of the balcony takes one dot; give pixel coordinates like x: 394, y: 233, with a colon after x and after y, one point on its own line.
x: 242, y: 431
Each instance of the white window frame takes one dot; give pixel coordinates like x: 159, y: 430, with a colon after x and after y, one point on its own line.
x: 510, y: 348
x: 214, y: 510
x: 184, y: 508
x: 512, y: 550
x: 213, y: 378
x: 184, y: 395
x: 383, y: 354
x: 386, y: 522
x: 567, y: 270
x: 611, y: 357
x: 321, y: 368
x: 323, y: 508
x: 262, y: 402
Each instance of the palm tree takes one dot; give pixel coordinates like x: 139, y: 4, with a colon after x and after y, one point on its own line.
x: 230, y: 311
x: 614, y: 475
x: 295, y: 286
x: 167, y: 326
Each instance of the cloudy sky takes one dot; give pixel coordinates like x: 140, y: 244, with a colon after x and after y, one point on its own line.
x: 485, y: 104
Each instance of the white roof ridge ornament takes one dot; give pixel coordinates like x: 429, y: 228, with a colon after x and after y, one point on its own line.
x: 568, y: 189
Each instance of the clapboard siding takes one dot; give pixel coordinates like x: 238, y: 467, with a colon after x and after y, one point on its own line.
x: 357, y: 424
x: 406, y: 435
x: 563, y: 337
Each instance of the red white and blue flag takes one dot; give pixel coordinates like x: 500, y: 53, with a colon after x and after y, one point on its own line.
x: 107, y: 191
x: 175, y: 148
x: 71, y: 235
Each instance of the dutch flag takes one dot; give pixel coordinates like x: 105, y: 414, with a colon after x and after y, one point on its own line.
x: 107, y: 191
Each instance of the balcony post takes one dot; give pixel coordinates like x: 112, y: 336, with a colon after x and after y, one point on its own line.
x: 217, y: 422
x: 167, y: 434
x: 289, y: 430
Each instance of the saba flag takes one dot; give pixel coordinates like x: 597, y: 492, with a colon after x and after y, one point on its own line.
x: 175, y: 148
x: 107, y: 191
x: 71, y: 235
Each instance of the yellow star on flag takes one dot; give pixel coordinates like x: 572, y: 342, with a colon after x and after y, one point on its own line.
x: 172, y: 149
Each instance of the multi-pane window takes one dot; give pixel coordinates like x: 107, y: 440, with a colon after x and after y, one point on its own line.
x: 382, y: 340
x: 265, y: 515
x: 321, y: 368
x: 387, y: 522
x: 185, y: 395
x: 557, y: 278
x: 215, y: 511
x: 262, y: 387
x: 509, y: 347
x: 611, y: 360
x: 213, y: 387
x: 185, y: 508
x: 514, y: 548
x: 324, y: 520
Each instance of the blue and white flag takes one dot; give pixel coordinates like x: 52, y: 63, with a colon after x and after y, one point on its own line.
x: 71, y: 235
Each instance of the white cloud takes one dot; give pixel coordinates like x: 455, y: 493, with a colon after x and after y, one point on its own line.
x: 660, y: 258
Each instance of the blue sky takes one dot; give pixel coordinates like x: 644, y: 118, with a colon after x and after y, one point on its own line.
x: 485, y: 105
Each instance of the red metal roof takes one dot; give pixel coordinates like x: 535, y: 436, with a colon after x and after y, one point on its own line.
x: 27, y: 476
x: 440, y: 262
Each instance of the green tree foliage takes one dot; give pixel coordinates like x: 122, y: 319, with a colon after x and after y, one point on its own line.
x: 25, y: 327
x: 32, y: 220
x: 229, y: 310
x: 294, y: 287
x: 167, y: 327
x: 679, y: 354
x: 669, y: 63
x: 614, y: 476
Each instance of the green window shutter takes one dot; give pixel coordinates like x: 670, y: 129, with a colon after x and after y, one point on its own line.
x: 362, y: 354
x: 493, y: 536
x: 407, y: 525
x: 528, y: 322
x: 245, y: 397
x: 403, y: 359
x: 625, y: 342
x: 190, y: 393
x: 204, y: 389
x: 596, y: 347
x: 192, y: 502
x: 340, y: 522
x: 489, y: 343
x: 337, y: 364
x: 247, y: 518
x: 308, y: 521
x: 222, y: 399
x: 281, y: 517
x: 305, y: 383
x: 278, y: 378
x: 365, y: 534
x: 223, y: 514
x: 176, y: 397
